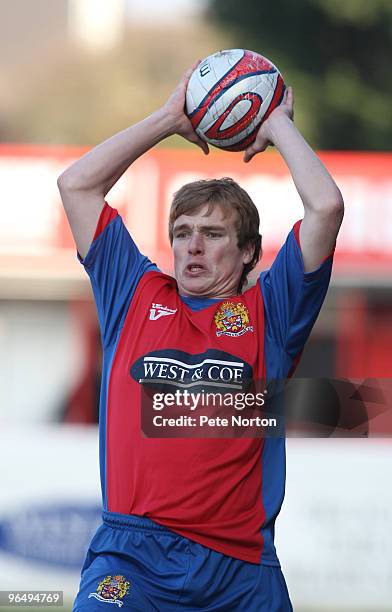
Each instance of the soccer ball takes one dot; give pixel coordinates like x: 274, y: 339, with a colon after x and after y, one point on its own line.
x: 230, y: 94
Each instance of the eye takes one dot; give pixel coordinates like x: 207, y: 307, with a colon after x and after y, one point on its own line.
x: 181, y: 235
x: 213, y: 235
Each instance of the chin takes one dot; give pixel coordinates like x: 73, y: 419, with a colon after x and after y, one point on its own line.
x: 195, y: 287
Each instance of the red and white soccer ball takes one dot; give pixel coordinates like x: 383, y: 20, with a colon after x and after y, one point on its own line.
x: 230, y: 94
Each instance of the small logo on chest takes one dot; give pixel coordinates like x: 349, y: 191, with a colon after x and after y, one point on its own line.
x: 157, y: 311
x: 232, y: 319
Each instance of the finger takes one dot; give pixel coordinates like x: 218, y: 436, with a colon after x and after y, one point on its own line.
x: 204, y: 147
x: 188, y: 73
x: 193, y: 137
x: 290, y: 101
x: 289, y: 96
x: 249, y: 153
x: 195, y: 65
x: 202, y: 144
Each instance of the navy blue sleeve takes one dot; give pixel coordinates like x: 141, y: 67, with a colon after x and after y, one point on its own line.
x: 292, y: 301
x: 115, y: 266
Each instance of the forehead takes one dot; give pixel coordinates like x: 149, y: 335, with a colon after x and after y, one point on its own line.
x: 207, y: 214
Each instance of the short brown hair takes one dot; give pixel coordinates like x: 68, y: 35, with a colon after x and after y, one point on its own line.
x: 230, y: 196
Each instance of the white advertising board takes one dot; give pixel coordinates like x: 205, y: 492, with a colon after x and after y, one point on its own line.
x: 49, y: 506
x: 333, y: 536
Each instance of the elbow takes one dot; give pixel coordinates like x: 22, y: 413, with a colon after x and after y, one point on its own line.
x: 74, y: 180
x: 63, y: 182
x: 328, y: 210
x: 338, y: 201
x: 337, y: 206
x: 332, y: 212
x: 330, y: 207
x: 60, y: 182
x: 67, y: 182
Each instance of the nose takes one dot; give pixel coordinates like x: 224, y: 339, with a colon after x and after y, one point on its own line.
x: 196, y: 244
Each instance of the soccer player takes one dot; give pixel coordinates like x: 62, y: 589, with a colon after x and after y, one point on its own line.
x: 188, y: 524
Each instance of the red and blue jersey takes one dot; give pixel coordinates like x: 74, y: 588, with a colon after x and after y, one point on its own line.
x: 222, y: 493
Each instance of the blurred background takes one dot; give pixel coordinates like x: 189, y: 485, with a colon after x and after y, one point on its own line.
x: 72, y: 72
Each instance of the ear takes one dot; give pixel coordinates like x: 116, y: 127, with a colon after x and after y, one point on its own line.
x: 247, y: 253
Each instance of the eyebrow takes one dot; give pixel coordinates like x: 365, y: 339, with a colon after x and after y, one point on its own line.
x: 186, y: 226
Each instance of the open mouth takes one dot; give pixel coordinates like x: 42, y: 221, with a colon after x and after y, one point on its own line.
x: 194, y: 269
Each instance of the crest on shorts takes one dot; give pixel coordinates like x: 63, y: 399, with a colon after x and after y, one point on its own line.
x: 232, y: 319
x: 112, y: 589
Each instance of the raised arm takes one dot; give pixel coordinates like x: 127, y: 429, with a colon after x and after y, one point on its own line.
x: 322, y: 200
x: 84, y: 185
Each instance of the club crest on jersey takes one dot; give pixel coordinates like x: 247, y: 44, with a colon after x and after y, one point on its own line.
x: 112, y: 589
x: 232, y: 319
x: 157, y: 311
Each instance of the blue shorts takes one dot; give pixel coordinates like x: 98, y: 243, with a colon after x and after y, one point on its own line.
x: 135, y: 564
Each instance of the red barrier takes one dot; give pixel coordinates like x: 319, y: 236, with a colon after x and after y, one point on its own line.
x: 33, y: 220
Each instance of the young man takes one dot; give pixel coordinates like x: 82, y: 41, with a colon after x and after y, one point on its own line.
x: 189, y: 523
